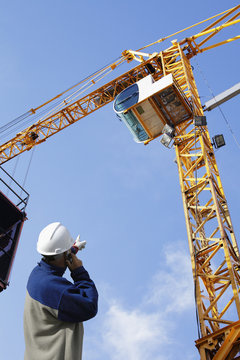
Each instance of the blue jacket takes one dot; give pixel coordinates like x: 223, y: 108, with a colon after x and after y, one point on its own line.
x: 54, y: 311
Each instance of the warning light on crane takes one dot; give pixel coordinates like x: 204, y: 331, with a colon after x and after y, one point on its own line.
x: 218, y: 141
x: 200, y: 120
x: 147, y: 106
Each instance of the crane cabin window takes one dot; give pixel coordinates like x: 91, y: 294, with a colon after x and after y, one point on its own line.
x: 125, y: 100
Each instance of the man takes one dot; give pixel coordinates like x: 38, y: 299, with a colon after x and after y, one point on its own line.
x: 55, y: 307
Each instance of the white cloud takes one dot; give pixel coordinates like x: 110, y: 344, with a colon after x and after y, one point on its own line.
x: 172, y: 286
x: 147, y: 331
x: 133, y: 335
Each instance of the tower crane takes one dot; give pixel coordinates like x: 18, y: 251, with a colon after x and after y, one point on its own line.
x: 159, y: 97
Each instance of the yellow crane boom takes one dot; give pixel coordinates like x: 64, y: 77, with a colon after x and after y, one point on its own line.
x: 158, y: 64
x: 213, y: 247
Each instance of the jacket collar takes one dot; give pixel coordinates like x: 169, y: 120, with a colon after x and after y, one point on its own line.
x: 55, y: 270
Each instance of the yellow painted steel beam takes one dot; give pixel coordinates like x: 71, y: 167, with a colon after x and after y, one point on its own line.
x: 219, y: 17
x: 235, y: 16
x: 209, y: 227
x: 220, y: 43
x: 207, y: 344
x: 47, y: 127
x: 234, y: 334
x: 214, y: 30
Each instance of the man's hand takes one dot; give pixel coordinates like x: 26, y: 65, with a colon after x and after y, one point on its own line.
x: 76, y: 263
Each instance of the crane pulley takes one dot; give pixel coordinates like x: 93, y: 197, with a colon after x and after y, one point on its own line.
x: 161, y: 91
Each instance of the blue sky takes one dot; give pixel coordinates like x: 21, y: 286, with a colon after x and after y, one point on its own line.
x: 123, y: 198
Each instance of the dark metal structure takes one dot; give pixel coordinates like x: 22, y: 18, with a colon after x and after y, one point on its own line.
x: 12, y: 217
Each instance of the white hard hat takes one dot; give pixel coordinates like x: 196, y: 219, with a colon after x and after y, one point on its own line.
x: 54, y: 239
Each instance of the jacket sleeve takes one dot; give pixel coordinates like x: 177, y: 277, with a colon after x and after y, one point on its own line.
x: 79, y: 301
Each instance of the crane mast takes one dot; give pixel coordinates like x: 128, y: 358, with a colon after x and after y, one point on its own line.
x: 212, y: 243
